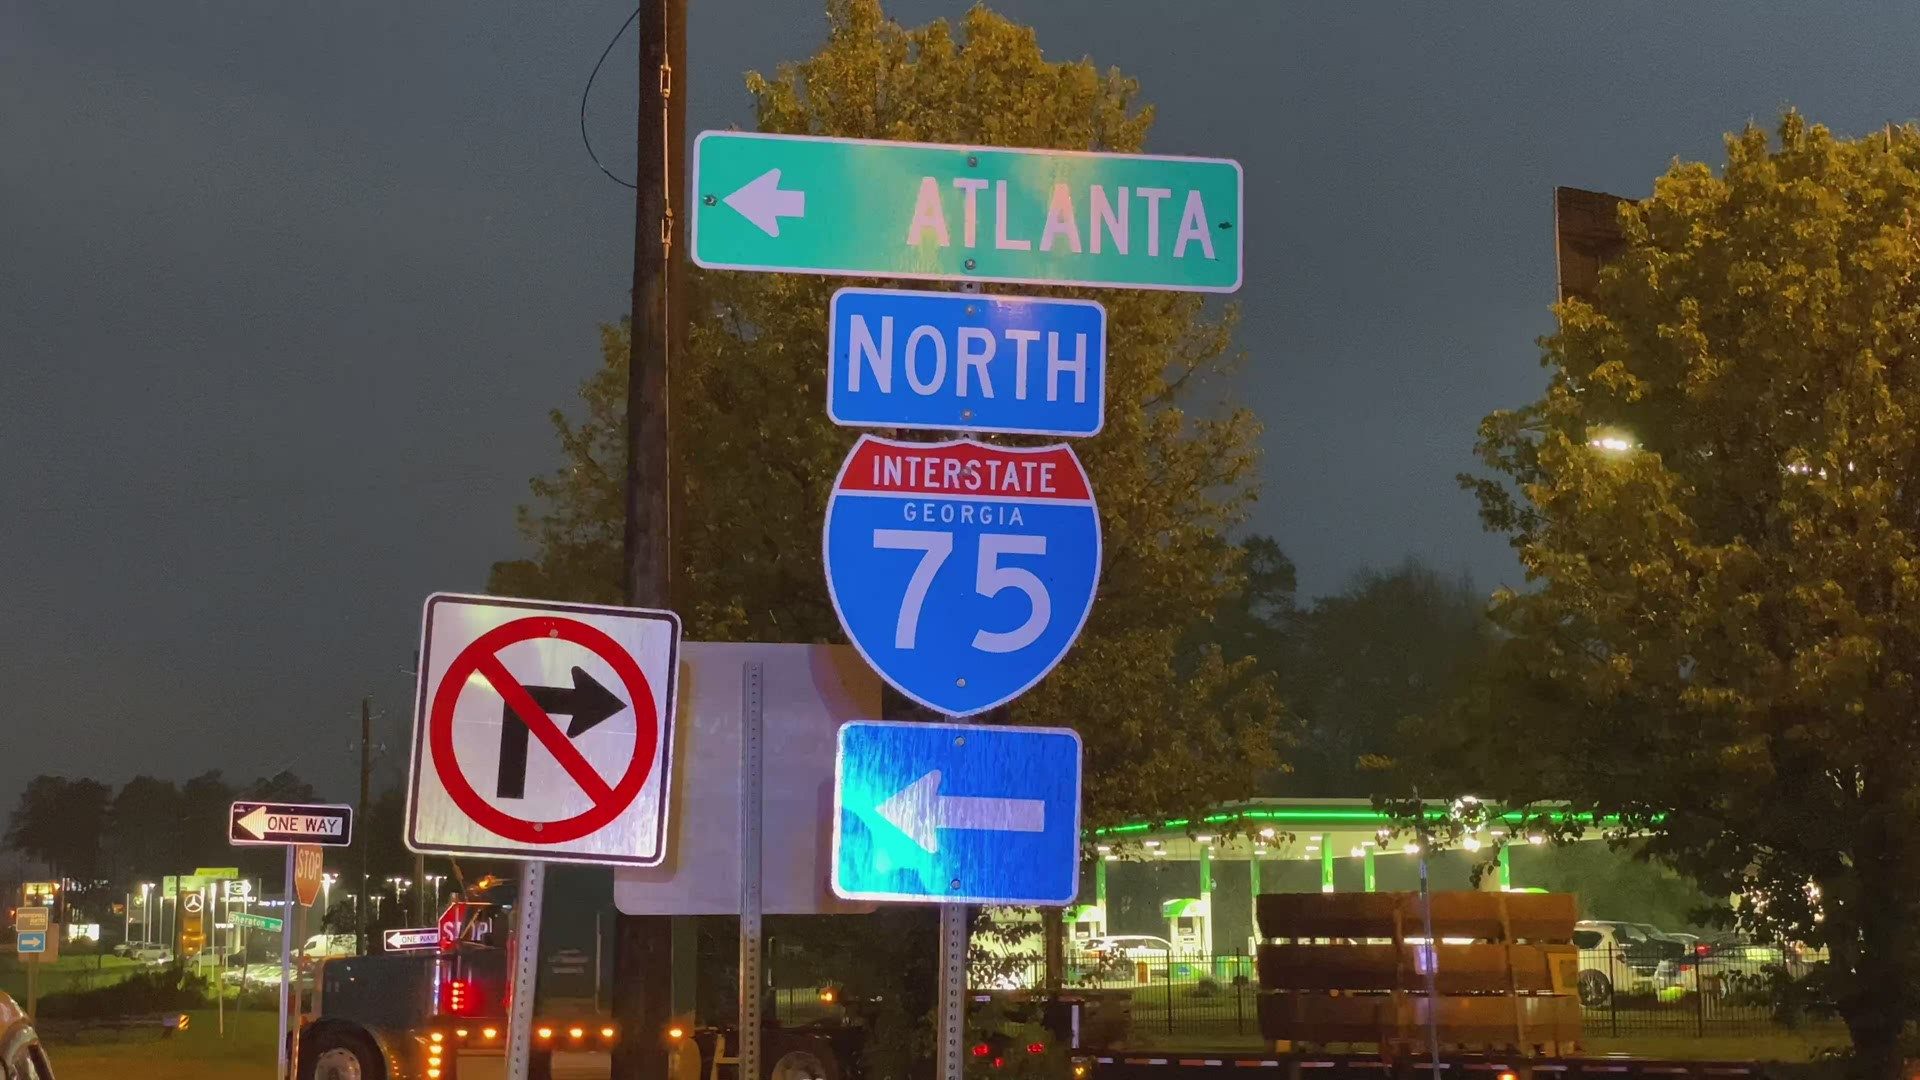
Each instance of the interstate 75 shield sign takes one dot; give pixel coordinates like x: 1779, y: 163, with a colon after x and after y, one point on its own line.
x: 961, y: 571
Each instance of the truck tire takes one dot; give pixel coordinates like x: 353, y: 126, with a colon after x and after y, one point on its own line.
x: 340, y: 1053
x: 800, y: 1056
x: 801, y: 1065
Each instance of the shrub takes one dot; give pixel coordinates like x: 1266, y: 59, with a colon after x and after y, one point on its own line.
x: 166, y: 990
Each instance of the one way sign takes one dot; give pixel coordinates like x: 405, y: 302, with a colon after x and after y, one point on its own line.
x: 259, y: 823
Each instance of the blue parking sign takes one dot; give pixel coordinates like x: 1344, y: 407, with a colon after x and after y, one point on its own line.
x: 962, y: 572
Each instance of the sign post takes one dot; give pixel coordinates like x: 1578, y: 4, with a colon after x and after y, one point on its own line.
x: 286, y: 956
x: 597, y: 789
x: 752, y: 775
x: 294, y: 827
x: 526, y: 967
x: 810, y: 205
x: 33, y: 929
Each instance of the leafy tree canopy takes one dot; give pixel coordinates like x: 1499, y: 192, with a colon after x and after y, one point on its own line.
x: 1392, y: 646
x: 1714, y: 502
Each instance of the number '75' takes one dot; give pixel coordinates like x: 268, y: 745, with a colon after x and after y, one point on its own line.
x: 989, y: 579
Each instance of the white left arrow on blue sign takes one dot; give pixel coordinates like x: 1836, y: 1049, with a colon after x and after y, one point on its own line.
x: 956, y: 813
x: 920, y: 811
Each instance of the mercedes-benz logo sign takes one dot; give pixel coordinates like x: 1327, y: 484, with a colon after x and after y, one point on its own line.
x: 192, y: 903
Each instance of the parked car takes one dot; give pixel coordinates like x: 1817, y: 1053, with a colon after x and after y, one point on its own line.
x: 1740, y: 956
x: 1666, y: 946
x: 1113, y: 956
x: 151, y: 954
x: 1618, y: 956
x: 1131, y: 946
x: 21, y: 1055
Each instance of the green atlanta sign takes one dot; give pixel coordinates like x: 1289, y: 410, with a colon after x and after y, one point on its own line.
x: 864, y: 208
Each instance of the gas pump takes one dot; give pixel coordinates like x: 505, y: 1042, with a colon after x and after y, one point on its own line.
x: 1084, y: 923
x: 1189, y: 924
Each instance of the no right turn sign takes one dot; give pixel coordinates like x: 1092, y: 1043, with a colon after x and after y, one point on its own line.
x: 543, y: 731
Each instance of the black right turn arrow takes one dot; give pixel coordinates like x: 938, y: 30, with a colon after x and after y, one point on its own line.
x: 588, y: 704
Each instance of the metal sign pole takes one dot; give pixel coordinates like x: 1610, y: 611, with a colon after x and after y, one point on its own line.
x: 286, y: 954
x: 953, y: 991
x: 1433, y: 947
x: 293, y: 1051
x: 753, y: 721
x: 33, y: 986
x: 526, y: 968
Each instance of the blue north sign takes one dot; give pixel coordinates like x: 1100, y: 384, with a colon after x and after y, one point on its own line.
x: 957, y: 813
x: 966, y: 362
x: 962, y: 572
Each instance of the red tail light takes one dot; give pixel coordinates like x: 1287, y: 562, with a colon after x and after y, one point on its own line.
x: 459, y: 997
x: 981, y: 1050
x: 1702, y: 950
x: 1036, y: 1048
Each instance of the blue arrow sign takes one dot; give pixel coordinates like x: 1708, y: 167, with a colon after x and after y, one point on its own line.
x: 961, y: 571
x: 31, y: 941
x: 957, y: 813
x: 954, y: 361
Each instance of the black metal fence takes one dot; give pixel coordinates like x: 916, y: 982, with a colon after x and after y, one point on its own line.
x: 1741, y: 990
x: 1745, y: 991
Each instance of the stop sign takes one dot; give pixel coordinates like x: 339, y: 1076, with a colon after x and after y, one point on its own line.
x: 451, y: 921
x: 307, y: 873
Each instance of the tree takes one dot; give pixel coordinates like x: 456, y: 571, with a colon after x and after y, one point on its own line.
x: 1714, y: 503
x: 205, y: 804
x: 62, y: 823
x: 1394, y: 645
x: 1171, y: 726
x: 1259, y: 618
x: 143, y: 829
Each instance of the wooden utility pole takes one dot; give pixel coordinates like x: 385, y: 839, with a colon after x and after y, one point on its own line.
x: 643, y: 958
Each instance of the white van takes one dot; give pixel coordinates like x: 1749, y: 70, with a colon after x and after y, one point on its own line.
x: 323, y: 946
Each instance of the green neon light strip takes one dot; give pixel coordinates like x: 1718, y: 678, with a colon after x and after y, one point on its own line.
x: 1329, y: 816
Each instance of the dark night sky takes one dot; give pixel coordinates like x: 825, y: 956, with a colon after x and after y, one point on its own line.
x: 286, y: 290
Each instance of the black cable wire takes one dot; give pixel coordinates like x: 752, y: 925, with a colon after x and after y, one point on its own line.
x: 588, y: 89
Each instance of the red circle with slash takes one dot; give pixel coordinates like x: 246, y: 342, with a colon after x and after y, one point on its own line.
x: 482, y: 658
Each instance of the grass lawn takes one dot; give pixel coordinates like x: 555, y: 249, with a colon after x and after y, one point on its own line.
x: 66, y: 973
x: 245, y: 1052
x: 1779, y: 1046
